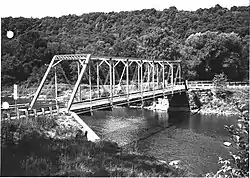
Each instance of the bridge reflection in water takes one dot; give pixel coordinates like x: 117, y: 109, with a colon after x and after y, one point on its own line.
x: 124, y: 125
x: 196, y: 140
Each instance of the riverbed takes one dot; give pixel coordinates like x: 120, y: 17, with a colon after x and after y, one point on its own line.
x: 195, y: 140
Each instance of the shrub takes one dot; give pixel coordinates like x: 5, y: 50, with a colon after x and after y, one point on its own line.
x: 220, y: 80
x: 220, y: 84
x: 238, y: 164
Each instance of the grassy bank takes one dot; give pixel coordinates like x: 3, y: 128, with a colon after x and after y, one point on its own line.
x: 226, y: 105
x: 45, y: 147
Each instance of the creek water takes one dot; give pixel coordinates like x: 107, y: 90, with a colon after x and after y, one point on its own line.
x: 195, y: 140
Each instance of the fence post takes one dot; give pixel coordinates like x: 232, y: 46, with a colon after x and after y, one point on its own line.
x: 50, y: 109
x: 43, y: 111
x: 57, y: 109
x: 8, y: 115
x: 35, y: 113
x: 27, y: 113
x: 18, y: 114
x: 186, y: 84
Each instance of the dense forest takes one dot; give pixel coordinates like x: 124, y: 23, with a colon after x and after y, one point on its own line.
x: 207, y: 41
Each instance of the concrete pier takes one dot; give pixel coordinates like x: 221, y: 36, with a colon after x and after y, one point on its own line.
x: 179, y: 102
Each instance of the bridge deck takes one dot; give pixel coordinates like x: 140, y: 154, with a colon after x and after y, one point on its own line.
x: 120, y: 100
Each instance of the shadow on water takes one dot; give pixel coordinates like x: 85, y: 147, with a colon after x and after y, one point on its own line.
x: 210, y: 125
x: 179, y: 118
x: 124, y: 125
x: 131, y: 123
x: 196, y: 140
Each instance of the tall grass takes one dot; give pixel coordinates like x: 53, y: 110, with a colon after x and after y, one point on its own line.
x: 28, y: 151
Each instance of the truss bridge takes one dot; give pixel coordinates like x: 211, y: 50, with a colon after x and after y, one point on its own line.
x: 103, y: 82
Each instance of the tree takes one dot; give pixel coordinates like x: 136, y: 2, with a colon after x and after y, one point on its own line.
x: 220, y: 40
x: 238, y: 164
x: 125, y: 48
x: 220, y: 84
x: 216, y: 53
x: 158, y: 43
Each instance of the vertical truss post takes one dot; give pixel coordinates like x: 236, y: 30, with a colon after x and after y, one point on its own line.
x: 168, y: 75
x: 148, y: 76
x: 163, y: 78
x: 172, y: 74
x: 138, y: 75
x: 41, y: 84
x: 78, y: 72
x: 110, y: 81
x: 90, y: 89
x: 127, y: 78
x: 56, y: 92
x: 141, y: 65
x: 179, y: 72
x: 176, y: 75
x: 172, y: 77
x: 154, y: 78
x: 98, y: 80
x: 84, y: 65
x: 157, y: 75
x: 113, y: 73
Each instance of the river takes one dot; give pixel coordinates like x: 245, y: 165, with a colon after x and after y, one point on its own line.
x: 195, y: 140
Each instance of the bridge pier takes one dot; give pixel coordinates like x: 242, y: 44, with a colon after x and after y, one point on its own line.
x: 171, y: 103
x: 179, y: 102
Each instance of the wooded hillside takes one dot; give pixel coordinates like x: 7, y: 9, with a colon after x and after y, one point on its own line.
x: 208, y: 41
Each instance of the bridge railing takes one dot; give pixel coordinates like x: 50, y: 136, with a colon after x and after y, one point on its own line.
x: 22, y: 111
x: 200, y: 84
x: 192, y: 84
x: 238, y: 83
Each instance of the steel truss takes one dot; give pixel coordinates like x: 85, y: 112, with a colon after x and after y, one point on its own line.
x: 123, y: 76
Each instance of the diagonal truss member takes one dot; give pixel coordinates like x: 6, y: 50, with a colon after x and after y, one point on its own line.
x: 82, y: 58
x: 148, y: 65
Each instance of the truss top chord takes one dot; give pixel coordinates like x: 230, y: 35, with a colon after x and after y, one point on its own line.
x: 105, y: 58
x: 71, y: 56
x: 112, y: 62
x: 132, y: 59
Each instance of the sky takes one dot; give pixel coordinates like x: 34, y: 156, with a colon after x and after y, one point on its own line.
x: 57, y: 8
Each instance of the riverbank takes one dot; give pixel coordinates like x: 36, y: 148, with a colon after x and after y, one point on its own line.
x: 210, y: 103
x: 230, y: 105
x: 55, y: 146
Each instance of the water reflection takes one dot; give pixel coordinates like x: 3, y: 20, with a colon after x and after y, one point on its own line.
x: 211, y: 125
x: 180, y: 119
x: 196, y: 140
x: 136, y: 120
x: 162, y: 119
x: 123, y: 124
